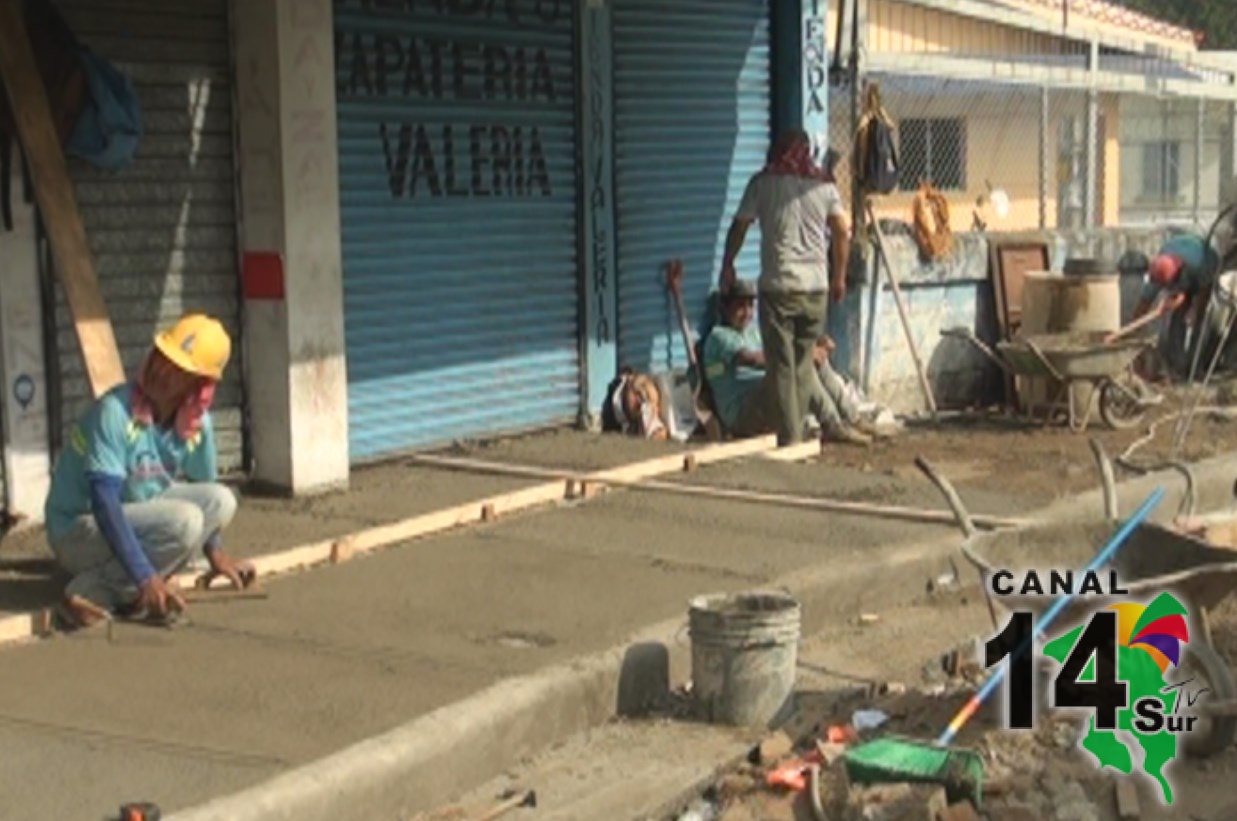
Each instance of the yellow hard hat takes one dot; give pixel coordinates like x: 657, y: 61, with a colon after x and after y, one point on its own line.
x: 197, y: 344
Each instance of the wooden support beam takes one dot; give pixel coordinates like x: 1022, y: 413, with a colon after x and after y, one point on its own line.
x: 22, y: 627
x: 54, y: 192
x: 677, y: 488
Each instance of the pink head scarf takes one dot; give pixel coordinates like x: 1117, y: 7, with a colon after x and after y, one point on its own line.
x: 188, y: 419
x: 791, y: 155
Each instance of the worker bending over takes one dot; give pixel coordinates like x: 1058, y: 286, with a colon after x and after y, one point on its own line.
x: 1184, y: 272
x: 743, y: 388
x: 134, y: 494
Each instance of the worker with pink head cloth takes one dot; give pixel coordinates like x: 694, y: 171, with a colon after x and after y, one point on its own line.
x: 135, y: 495
x: 799, y: 210
x: 1183, y: 273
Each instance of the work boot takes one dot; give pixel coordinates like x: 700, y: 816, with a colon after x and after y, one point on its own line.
x: 846, y: 435
x: 869, y: 428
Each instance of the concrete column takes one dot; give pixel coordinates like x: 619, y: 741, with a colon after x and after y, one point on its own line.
x: 291, y: 270
x: 1228, y: 152
x: 27, y: 461
x: 1045, y: 167
x: 1200, y: 125
x: 1091, y: 186
x: 600, y: 342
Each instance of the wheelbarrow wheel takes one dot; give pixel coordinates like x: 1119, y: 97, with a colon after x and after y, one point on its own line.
x: 1119, y: 406
x: 1212, y: 734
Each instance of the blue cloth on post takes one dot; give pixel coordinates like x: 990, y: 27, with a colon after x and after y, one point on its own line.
x: 109, y: 129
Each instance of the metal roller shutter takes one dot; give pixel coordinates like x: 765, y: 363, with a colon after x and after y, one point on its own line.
x: 163, y: 231
x: 692, y: 103
x: 458, y: 209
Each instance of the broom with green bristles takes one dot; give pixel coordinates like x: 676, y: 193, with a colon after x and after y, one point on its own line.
x: 893, y: 759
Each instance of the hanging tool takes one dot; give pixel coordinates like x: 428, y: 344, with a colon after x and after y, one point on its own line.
x: 704, y: 416
x: 924, y: 384
x: 894, y: 760
x: 511, y: 800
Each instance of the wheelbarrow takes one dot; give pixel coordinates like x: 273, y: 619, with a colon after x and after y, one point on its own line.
x: 1072, y: 359
x: 1155, y: 559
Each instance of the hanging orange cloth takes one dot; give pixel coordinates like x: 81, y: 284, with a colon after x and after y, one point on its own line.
x: 930, y: 217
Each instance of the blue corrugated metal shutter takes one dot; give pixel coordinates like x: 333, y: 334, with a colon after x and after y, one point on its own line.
x: 458, y: 210
x: 692, y: 102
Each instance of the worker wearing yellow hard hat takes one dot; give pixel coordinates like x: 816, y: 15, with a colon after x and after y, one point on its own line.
x: 135, y: 493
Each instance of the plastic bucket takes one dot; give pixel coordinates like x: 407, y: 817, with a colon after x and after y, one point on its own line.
x: 744, y: 651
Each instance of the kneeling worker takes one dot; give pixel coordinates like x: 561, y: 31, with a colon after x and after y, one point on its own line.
x: 134, y: 494
x: 742, y: 387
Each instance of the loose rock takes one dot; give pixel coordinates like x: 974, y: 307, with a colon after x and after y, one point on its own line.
x: 1126, y: 795
x: 773, y: 748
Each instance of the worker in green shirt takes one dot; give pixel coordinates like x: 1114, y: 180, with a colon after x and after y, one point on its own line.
x: 1184, y: 273
x: 743, y: 390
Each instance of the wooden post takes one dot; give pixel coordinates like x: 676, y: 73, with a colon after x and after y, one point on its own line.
x: 925, y: 384
x: 54, y: 193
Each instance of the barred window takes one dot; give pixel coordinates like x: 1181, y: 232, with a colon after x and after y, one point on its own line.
x: 1162, y: 171
x: 932, y: 150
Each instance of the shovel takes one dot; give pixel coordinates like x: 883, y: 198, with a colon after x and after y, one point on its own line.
x: 704, y: 416
x: 1125, y: 330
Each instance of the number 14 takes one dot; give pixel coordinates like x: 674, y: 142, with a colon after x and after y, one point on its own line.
x: 1101, y: 692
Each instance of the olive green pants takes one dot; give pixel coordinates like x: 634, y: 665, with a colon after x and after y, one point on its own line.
x: 790, y: 324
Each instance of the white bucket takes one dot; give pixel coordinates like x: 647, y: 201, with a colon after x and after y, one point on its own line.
x: 744, y: 653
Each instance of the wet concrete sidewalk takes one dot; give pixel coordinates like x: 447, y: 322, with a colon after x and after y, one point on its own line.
x: 249, y: 688
x: 377, y: 495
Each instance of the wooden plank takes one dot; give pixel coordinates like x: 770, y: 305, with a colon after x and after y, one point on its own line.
x: 54, y: 193
x: 21, y: 627
x: 794, y: 453
x: 780, y: 499
x: 17, y: 628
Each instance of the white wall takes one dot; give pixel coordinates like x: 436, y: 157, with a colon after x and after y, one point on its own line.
x: 22, y: 374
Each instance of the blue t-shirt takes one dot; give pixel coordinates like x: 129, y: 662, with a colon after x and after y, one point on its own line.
x: 730, y: 382
x: 1201, y: 264
x: 147, y: 458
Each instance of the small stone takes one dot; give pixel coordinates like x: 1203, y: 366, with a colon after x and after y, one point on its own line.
x: 773, y: 748
x: 937, y: 804
x: 962, y: 811
x: 1013, y: 812
x: 736, y: 785
x: 1126, y: 795
x: 1073, y: 794
x: 1009, y: 784
x: 1077, y: 811
x: 891, y: 802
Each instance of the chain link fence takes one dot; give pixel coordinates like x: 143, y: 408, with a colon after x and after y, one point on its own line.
x: 1015, y: 156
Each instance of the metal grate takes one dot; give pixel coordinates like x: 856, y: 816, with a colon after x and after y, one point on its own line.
x: 163, y: 231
